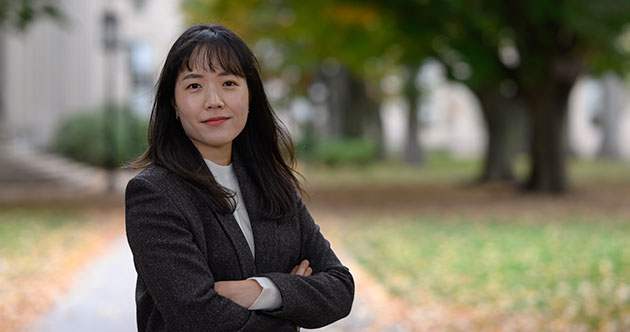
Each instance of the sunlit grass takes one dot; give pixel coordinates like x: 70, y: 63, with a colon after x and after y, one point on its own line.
x: 24, y: 229
x: 572, y: 268
x: 609, y: 171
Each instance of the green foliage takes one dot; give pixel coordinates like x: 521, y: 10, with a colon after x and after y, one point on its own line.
x: 82, y: 137
x: 344, y: 152
x: 19, y: 14
x: 543, y: 33
x: 457, y: 32
x: 306, y: 32
x: 572, y: 268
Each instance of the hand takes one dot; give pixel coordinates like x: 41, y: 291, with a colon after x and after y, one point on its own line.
x: 302, y: 269
x: 241, y: 292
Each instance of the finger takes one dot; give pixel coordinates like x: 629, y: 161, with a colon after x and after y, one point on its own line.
x: 294, y: 270
x: 308, y: 272
x: 302, y: 268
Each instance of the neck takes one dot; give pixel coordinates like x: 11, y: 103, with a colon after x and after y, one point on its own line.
x: 220, y: 155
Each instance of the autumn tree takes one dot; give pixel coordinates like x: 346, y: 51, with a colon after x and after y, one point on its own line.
x: 519, y: 52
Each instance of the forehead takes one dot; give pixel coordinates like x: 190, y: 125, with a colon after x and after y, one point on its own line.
x: 206, y: 58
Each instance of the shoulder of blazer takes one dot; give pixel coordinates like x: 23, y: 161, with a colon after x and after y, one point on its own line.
x: 171, y: 183
x: 182, y: 197
x: 154, y: 173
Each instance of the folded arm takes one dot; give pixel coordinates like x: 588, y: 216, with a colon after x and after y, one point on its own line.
x: 323, y: 297
x: 248, y: 293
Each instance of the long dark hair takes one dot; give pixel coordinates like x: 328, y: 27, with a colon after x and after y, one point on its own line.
x: 264, y: 147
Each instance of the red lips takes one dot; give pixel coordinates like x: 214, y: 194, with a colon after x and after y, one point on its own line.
x: 216, y: 121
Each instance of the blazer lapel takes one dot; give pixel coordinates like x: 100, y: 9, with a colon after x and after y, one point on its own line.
x: 264, y: 229
x: 234, y: 233
x: 265, y: 242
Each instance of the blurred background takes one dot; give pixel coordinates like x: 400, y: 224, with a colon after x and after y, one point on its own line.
x: 469, y: 160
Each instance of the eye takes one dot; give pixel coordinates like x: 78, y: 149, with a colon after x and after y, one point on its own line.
x: 193, y: 86
x: 230, y: 83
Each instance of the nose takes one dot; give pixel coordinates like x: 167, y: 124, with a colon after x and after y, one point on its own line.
x: 214, y: 100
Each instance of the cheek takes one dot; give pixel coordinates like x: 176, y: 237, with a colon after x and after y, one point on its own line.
x: 188, y: 109
x: 240, y: 105
x: 184, y: 104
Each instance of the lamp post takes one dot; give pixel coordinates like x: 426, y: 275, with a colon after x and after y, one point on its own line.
x: 110, y: 43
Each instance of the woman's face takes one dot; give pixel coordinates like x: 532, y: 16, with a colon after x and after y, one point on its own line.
x: 212, y: 107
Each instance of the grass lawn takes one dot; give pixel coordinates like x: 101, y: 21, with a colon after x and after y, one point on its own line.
x: 575, y: 269
x: 564, y: 260
x: 25, y: 231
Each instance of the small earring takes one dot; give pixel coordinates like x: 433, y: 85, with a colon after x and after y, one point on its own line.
x: 177, y: 116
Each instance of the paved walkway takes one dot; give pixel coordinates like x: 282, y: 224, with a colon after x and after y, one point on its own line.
x: 102, y: 300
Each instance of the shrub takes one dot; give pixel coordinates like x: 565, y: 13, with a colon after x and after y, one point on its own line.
x: 82, y: 138
x: 348, y: 151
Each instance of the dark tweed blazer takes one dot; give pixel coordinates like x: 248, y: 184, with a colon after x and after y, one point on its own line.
x: 181, y: 247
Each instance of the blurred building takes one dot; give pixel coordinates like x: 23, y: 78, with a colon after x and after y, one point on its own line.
x: 450, y: 119
x: 599, y: 118
x: 56, y: 69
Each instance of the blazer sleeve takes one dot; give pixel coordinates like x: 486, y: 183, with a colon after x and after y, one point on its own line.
x: 175, y: 271
x: 325, y: 296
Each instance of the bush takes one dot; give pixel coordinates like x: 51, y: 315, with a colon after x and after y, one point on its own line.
x: 349, y: 151
x: 82, y: 138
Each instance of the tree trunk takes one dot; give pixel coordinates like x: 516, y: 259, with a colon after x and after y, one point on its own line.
x: 612, y: 106
x: 338, y: 98
x: 354, y: 113
x: 504, y: 126
x: 547, y: 104
x: 413, y: 151
x: 368, y: 102
x: 345, y: 113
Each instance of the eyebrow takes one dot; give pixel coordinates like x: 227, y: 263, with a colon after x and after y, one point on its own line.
x: 191, y: 75
x: 196, y: 75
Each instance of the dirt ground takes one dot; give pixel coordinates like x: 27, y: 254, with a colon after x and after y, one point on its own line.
x: 496, y: 200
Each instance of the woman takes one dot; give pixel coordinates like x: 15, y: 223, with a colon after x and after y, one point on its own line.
x: 221, y: 239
